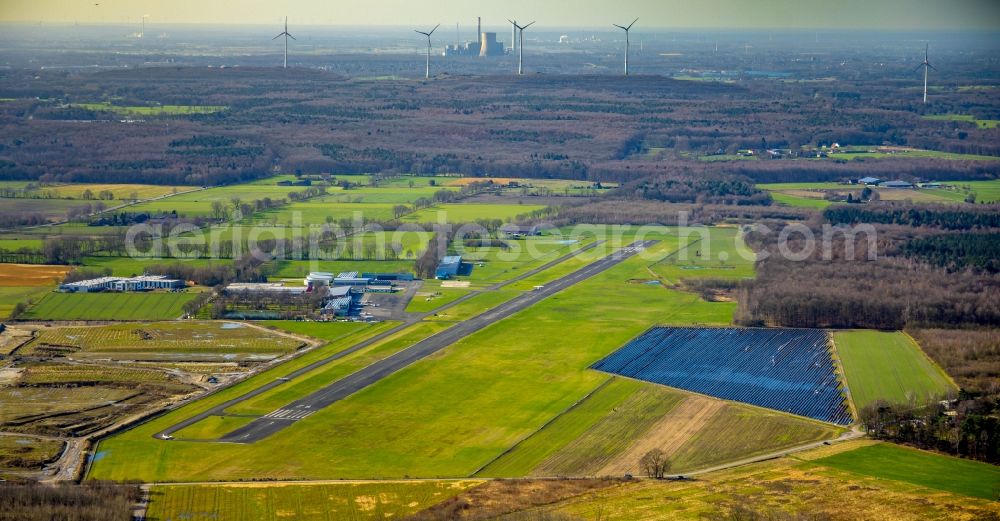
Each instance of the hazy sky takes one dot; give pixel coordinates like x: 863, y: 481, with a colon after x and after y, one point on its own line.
x: 833, y: 14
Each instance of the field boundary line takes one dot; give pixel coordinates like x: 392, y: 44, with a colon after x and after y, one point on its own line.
x: 546, y: 424
x: 842, y: 371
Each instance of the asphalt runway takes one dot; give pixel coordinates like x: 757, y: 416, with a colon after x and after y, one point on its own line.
x: 274, y: 421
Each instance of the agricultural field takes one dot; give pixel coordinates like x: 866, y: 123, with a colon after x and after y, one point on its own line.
x: 410, y: 422
x: 188, y: 340
x: 468, y: 213
x: 590, y: 435
x: 320, y: 502
x: 801, y: 485
x: 613, y: 428
x: 12, y: 243
x: 925, y: 469
x: 31, y: 275
x: 110, y: 306
x: 967, y: 118
x: 130, y: 267
x: 889, y: 366
x: 812, y: 195
x: 317, y: 212
x: 985, y: 191
x: 150, y: 110
x: 800, y: 200
x: 119, y: 192
x: 51, y: 209
x: 26, y: 283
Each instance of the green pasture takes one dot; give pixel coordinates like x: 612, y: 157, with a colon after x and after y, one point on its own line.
x: 888, y: 366
x: 967, y: 118
x: 152, y: 110
x: 467, y: 213
x: 886, y: 461
x: 110, y: 306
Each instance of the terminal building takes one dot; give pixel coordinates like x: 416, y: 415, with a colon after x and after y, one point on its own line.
x: 142, y: 283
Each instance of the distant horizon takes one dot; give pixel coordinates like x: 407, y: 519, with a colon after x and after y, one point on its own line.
x: 538, y: 26
x: 657, y: 14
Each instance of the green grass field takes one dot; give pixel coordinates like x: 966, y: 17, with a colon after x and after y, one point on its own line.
x: 443, y: 416
x: 166, y: 337
x: 467, y: 213
x: 329, y: 331
x: 212, y: 428
x: 431, y: 297
x: 892, y: 462
x: 590, y: 436
x: 128, y: 266
x: 888, y: 366
x: 317, y: 213
x: 11, y: 295
x: 110, y: 306
x: 968, y: 118
x: 76, y: 191
x: 153, y: 110
x: 292, y: 269
x: 313, y: 502
x: 800, y: 202
x: 717, y: 253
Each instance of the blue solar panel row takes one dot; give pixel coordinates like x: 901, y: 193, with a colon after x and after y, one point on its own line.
x: 788, y: 370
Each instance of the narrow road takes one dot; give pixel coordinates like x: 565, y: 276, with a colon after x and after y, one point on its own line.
x: 304, y: 407
x: 220, y: 409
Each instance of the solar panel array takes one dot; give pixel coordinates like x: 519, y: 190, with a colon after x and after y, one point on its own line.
x: 788, y: 370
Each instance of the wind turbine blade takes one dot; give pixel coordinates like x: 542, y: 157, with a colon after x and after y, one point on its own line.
x: 421, y: 32
x: 527, y: 26
x: 633, y: 23
x: 917, y: 68
x: 620, y: 27
x: 931, y: 66
x: 279, y: 36
x: 432, y: 30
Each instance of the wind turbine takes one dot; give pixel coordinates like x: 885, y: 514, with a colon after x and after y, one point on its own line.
x: 287, y: 35
x: 926, y: 65
x: 428, y: 35
x: 520, y: 45
x: 626, y: 29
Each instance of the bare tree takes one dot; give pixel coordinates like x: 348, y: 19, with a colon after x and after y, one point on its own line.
x: 655, y: 463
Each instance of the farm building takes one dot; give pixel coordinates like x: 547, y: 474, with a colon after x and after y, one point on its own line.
x: 142, y: 283
x: 449, y: 267
x: 870, y: 181
x: 263, y: 287
x: 896, y: 184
